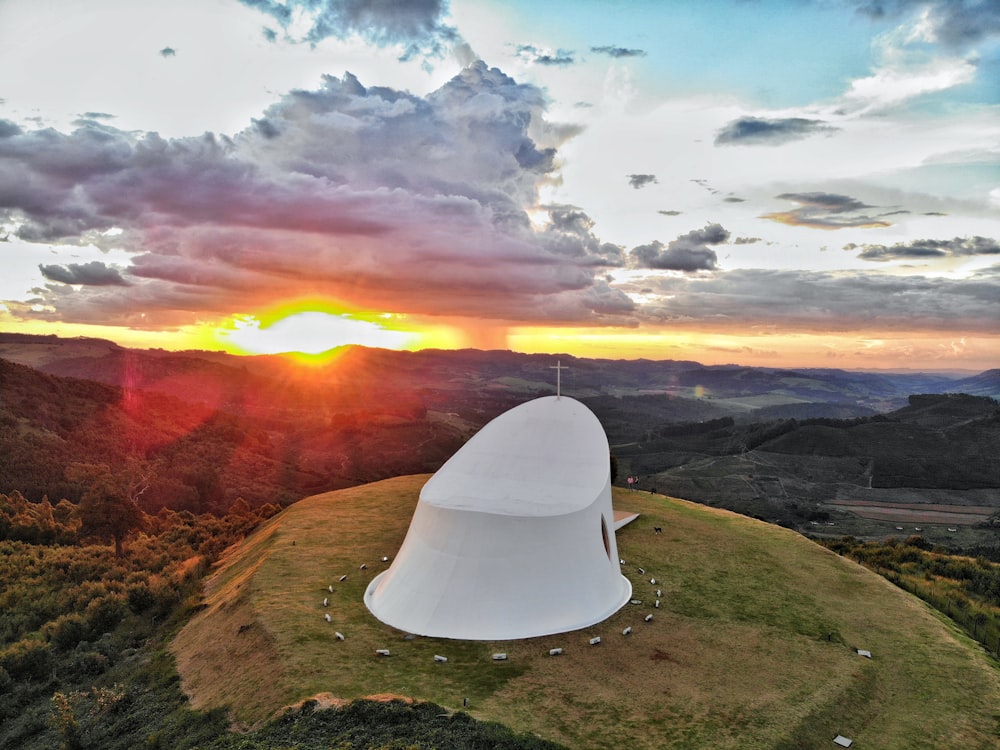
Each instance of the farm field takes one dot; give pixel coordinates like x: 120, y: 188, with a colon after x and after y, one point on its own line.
x: 927, y: 513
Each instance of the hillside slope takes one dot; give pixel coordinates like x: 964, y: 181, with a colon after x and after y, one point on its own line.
x: 753, y: 646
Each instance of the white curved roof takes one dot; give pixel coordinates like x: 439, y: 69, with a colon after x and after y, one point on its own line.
x: 545, y: 457
x: 514, y: 536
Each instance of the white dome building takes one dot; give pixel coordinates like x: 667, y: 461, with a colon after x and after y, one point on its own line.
x: 514, y: 536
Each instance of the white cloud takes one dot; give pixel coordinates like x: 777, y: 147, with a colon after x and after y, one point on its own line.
x: 895, y: 84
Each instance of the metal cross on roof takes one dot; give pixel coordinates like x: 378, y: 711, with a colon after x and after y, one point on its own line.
x: 558, y: 367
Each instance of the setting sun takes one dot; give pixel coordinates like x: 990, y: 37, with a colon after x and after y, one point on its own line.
x: 310, y: 332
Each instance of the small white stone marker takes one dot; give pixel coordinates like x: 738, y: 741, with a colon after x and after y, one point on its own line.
x: 595, y: 640
x: 659, y: 593
x: 327, y: 617
x: 647, y: 618
x: 864, y: 653
x: 842, y: 741
x: 330, y: 588
x: 342, y: 579
x: 627, y: 631
x: 382, y: 651
x: 340, y: 636
x: 363, y: 566
x: 326, y: 601
x: 621, y: 561
x: 657, y: 604
x: 385, y: 559
x: 636, y: 601
x: 652, y: 581
x: 555, y: 651
x: 439, y: 658
x: 642, y: 571
x: 499, y: 657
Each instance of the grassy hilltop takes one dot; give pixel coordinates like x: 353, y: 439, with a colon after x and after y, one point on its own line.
x: 753, y: 646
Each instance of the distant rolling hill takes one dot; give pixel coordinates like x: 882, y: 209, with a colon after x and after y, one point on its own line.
x: 984, y: 384
x: 815, y: 475
x: 755, y: 643
x: 270, y: 429
x: 202, y: 457
x: 443, y: 372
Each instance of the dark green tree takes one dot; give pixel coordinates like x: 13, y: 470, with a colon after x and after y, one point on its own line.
x: 109, y: 505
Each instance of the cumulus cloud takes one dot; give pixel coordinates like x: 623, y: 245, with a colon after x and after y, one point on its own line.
x: 823, y: 301
x: 418, y: 24
x: 928, y: 249
x: 689, y: 252
x: 9, y: 129
x: 641, y: 180
x: 618, y: 52
x: 93, y: 273
x: 376, y: 197
x: 826, y: 211
x: 759, y: 131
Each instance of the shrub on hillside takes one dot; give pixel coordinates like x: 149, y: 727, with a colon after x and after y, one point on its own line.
x: 27, y: 659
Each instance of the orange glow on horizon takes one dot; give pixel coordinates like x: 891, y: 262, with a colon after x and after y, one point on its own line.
x: 914, y: 350
x: 848, y: 350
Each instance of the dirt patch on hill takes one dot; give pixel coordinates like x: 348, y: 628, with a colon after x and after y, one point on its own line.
x: 225, y: 632
x: 211, y: 643
x: 956, y: 515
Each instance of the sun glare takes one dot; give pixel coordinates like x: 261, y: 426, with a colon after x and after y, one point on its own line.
x: 311, y: 332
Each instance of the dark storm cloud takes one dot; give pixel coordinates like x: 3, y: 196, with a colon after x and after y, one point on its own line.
x: 747, y: 240
x: 168, y: 52
x: 758, y: 131
x: 641, y: 180
x: 734, y: 199
x: 373, y: 196
x: 417, y: 24
x: 670, y: 213
x: 826, y: 211
x: 824, y: 301
x: 535, y: 56
x: 618, y: 52
x: 689, y: 252
x: 955, y: 23
x: 928, y: 249
x: 93, y: 273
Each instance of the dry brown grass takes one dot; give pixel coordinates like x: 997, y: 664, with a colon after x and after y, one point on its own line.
x: 753, y: 645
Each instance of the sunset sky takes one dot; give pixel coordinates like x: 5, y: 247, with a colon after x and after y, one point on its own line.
x: 763, y: 182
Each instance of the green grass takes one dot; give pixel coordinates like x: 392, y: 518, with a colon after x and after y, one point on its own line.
x: 754, y: 645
